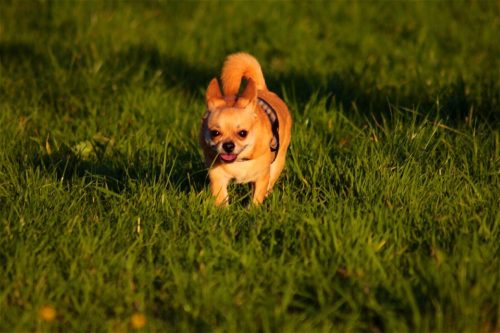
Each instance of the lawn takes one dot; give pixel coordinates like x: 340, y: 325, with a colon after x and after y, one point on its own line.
x: 386, y: 218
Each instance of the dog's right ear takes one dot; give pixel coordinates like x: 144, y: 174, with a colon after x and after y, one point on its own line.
x: 248, y: 96
x: 214, y: 98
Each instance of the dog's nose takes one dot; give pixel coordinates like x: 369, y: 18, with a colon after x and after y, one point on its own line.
x: 228, y: 146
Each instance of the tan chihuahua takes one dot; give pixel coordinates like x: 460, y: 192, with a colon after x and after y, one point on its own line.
x: 244, y: 136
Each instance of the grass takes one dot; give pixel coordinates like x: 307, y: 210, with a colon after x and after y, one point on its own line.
x: 385, y: 219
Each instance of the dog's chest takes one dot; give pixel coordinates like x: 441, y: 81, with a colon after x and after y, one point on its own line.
x: 245, y: 172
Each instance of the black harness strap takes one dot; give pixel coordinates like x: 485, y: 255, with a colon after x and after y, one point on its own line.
x: 273, y: 118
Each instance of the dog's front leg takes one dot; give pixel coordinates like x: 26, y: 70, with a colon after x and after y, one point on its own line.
x: 260, y: 189
x: 218, y: 187
x: 219, y: 191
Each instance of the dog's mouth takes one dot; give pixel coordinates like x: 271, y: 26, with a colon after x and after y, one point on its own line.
x: 228, y: 158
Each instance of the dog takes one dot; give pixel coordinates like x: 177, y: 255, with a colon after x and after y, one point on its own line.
x: 244, y: 136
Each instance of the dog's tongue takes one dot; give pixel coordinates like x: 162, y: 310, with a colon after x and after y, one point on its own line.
x: 228, y: 157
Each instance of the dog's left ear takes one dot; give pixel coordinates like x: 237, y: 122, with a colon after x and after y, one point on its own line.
x: 214, y: 96
x: 248, y: 96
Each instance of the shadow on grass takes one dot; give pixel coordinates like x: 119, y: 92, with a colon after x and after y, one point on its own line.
x: 119, y: 173
x: 344, y: 89
x: 13, y: 53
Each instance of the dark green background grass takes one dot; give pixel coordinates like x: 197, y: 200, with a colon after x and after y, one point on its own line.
x: 385, y: 219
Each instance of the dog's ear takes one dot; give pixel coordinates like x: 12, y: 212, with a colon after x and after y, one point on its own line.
x: 214, y: 98
x: 249, y: 95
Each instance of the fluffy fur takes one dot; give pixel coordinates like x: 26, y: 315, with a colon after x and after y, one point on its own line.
x: 240, y: 65
x: 237, y: 135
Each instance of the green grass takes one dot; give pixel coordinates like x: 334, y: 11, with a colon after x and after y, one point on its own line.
x: 385, y: 219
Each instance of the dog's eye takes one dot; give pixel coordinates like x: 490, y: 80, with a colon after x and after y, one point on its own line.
x: 214, y: 133
x: 243, y: 133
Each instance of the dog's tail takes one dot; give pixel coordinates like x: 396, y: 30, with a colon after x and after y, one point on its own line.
x: 237, y: 66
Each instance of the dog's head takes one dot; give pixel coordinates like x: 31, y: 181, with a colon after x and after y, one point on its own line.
x: 231, y: 125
